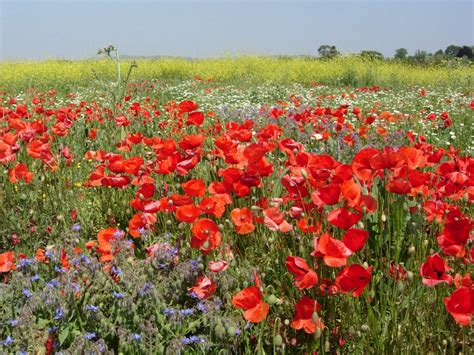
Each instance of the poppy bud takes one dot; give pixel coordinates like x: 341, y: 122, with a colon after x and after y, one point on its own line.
x: 365, y: 265
x: 315, y: 317
x: 219, y: 330
x: 411, y: 250
x: 221, y: 227
x: 327, y: 346
x: 182, y: 226
x: 365, y: 328
x: 317, y: 334
x: 445, y: 342
x: 409, y: 275
x: 384, y: 217
x: 170, y: 202
x: 278, y: 340
x: 168, y: 222
x: 255, y: 208
x: 231, y: 331
x: 286, y: 322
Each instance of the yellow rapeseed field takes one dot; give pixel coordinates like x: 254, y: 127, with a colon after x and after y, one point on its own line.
x: 344, y: 70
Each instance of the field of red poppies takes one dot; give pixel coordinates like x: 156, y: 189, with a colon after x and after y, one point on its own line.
x: 200, y: 217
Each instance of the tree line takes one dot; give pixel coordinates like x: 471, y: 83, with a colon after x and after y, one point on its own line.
x: 401, y: 54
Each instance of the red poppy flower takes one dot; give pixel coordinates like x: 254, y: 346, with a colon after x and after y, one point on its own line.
x: 206, y: 235
x: 187, y: 106
x: 454, y: 237
x: 204, y: 288
x: 195, y: 119
x: 104, y: 238
x: 216, y: 266
x: 187, y: 213
x: 7, y: 261
x: 342, y: 218
x: 250, y: 299
x: 434, y: 271
x: 461, y: 305
x: 304, y: 318
x: 195, y: 187
x: 20, y: 172
x: 327, y: 195
x: 243, y: 220
x: 191, y: 141
x: 333, y: 251
x: 275, y: 220
x: 355, y: 239
x: 305, y: 277
x: 353, y: 279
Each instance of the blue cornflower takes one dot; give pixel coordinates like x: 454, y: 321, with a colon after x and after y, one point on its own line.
x: 13, y: 322
x: 202, y: 307
x: 117, y: 271
x: 76, y: 227
x: 186, y: 312
x: 59, y: 269
x: 8, y: 341
x: 75, y: 286
x: 119, y: 295
x: 52, y: 284
x: 24, y: 263
x: 148, y: 286
x: 92, y: 308
x: 85, y: 259
x: 27, y: 293
x: 59, y: 313
x: 89, y: 336
x: 34, y: 278
x: 49, y: 254
x: 136, y: 337
x: 169, y: 311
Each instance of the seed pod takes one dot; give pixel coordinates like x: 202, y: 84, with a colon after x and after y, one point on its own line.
x: 278, y: 340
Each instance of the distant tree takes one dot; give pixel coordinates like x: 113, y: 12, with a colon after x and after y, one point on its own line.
x: 452, y: 50
x: 372, y: 55
x: 401, y: 53
x: 327, y: 51
x: 465, y: 51
x: 420, y: 56
x: 439, y: 53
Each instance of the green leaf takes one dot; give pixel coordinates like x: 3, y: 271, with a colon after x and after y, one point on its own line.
x: 63, y: 336
x: 42, y: 323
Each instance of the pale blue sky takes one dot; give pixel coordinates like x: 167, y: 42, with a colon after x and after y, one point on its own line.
x: 38, y: 29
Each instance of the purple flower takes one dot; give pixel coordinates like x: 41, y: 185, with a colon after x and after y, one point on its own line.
x: 92, y: 308
x: 34, y: 278
x: 59, y: 314
x: 8, y: 341
x: 24, y: 263
x: 76, y: 227
x: 13, y: 322
x: 89, y: 336
x: 169, y: 311
x: 136, y: 337
x: 52, y: 284
x: 119, y: 295
x: 186, y: 312
x: 27, y: 293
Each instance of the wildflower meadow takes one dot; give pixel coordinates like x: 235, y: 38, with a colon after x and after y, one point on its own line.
x: 236, y: 205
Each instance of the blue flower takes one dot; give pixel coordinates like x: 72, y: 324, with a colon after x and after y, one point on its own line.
x: 49, y: 254
x: 13, y: 322
x: 92, y: 308
x: 24, y: 263
x: 202, y: 307
x: 59, y: 313
x: 27, y: 293
x: 119, y: 295
x: 169, y: 311
x: 136, y: 337
x: 186, y: 312
x: 52, y: 284
x: 34, y: 278
x: 89, y: 336
x: 8, y: 341
x: 76, y: 227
